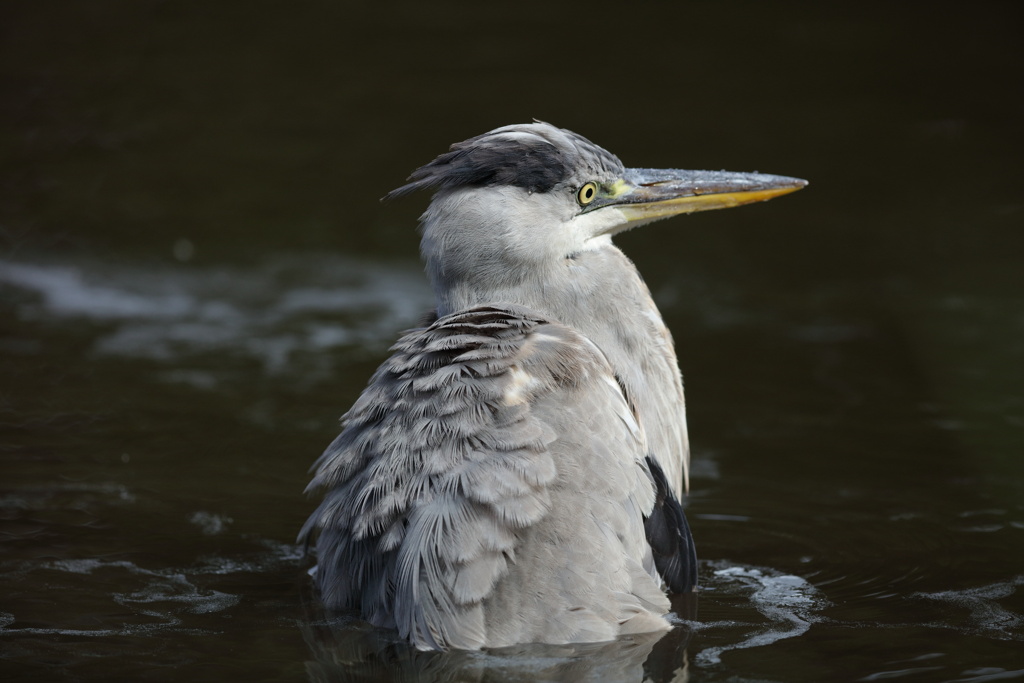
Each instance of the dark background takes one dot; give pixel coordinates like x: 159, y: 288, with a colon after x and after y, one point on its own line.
x: 197, y: 278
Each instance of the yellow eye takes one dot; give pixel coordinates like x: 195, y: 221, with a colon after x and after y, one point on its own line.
x: 587, y: 194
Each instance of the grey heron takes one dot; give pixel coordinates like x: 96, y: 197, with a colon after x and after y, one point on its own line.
x: 513, y: 472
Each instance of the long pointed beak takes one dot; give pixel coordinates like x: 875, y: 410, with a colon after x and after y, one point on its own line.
x: 644, y: 194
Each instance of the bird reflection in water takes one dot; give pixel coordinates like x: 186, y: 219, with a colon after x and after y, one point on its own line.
x: 348, y: 649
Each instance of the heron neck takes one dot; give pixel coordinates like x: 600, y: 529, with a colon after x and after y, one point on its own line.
x: 600, y: 294
x: 596, y: 292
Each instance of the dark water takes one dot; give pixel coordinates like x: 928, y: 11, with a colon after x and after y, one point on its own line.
x: 197, y: 280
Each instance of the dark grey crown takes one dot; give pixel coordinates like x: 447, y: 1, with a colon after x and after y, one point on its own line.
x: 534, y: 156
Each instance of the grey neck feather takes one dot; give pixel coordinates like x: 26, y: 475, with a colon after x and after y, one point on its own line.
x: 576, y: 291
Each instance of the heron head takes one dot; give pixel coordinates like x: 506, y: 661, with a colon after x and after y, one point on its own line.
x: 526, y: 195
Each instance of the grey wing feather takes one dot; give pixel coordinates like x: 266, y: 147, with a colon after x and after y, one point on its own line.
x: 459, y: 465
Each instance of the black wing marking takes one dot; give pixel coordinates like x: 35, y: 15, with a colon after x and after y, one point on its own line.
x: 669, y: 536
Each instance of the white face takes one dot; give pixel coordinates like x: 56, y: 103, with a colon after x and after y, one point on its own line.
x: 596, y: 228
x: 512, y: 225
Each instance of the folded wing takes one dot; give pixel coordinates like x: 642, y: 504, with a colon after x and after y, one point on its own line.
x: 490, y: 487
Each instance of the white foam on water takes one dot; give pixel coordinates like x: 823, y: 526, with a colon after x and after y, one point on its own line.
x: 176, y: 588
x: 211, y: 524
x: 157, y: 598
x: 276, y: 554
x: 272, y: 311
x: 160, y: 597
x: 987, y: 616
x: 788, y: 602
x: 67, y: 291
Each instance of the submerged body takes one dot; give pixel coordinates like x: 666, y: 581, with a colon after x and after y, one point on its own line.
x: 512, y: 474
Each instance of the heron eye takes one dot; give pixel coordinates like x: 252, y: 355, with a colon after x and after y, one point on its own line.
x: 587, y: 194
